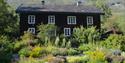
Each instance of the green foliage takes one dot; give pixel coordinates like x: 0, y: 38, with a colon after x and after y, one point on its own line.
x: 113, y: 42
x: 26, y: 40
x: 25, y: 52
x: 68, y: 44
x: 89, y: 35
x: 77, y: 59
x: 36, y: 52
x: 97, y: 56
x: 46, y: 31
x: 87, y: 47
x: 8, y: 20
x: 102, y: 4
x: 120, y: 20
x: 57, y: 41
x: 72, y: 51
x: 115, y: 22
x: 63, y: 43
x: 27, y: 37
x: 52, y: 59
x: 30, y: 60
x: 60, y: 51
x: 5, y: 49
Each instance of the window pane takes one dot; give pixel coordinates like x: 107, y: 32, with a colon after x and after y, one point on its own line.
x: 89, y: 20
x: 31, y: 19
x: 32, y: 30
x: 51, y: 19
x: 71, y: 19
x: 67, y: 31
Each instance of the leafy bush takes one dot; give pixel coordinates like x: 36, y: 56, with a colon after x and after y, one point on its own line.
x: 113, y: 42
x: 77, y: 59
x: 36, y: 52
x: 6, y: 48
x: 30, y: 60
x: 25, y: 52
x: 72, y: 52
x: 89, y: 35
x: 84, y: 47
x: 87, y: 47
x: 60, y: 51
x: 46, y: 31
x: 68, y: 44
x: 57, y: 41
x: 63, y: 43
x: 97, y: 56
x: 52, y: 59
x: 50, y: 49
x: 26, y: 40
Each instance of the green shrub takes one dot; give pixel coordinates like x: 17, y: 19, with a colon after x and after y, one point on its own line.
x: 60, y: 51
x: 26, y: 40
x: 52, y: 59
x: 68, y: 44
x: 63, y: 43
x: 30, y: 60
x: 89, y: 35
x: 6, y: 49
x: 25, y: 52
x: 114, y: 42
x: 84, y: 47
x: 50, y: 49
x: 72, y: 52
x: 87, y: 47
x: 57, y: 41
x: 97, y: 56
x: 36, y: 52
x: 46, y: 30
x: 77, y: 59
x: 19, y: 45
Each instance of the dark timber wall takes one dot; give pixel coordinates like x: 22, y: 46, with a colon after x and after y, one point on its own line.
x: 60, y: 20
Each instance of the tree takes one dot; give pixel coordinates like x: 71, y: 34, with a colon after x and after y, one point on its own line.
x: 8, y: 19
x: 102, y: 4
x: 5, y: 49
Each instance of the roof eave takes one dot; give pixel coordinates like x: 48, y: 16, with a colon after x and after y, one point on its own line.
x: 19, y: 11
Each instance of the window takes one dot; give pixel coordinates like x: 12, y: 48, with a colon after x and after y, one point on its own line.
x: 89, y: 20
x: 51, y: 19
x: 52, y: 33
x: 67, y: 31
x: 31, y: 30
x: 71, y: 19
x: 31, y: 19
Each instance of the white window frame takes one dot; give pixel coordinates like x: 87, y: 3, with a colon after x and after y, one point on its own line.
x: 89, y: 20
x: 51, y: 19
x: 67, y: 31
x: 71, y: 19
x: 32, y: 30
x: 31, y: 19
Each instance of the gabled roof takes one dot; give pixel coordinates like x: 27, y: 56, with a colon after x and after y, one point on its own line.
x: 58, y: 8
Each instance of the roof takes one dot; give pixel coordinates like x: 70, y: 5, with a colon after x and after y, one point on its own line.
x: 58, y: 8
